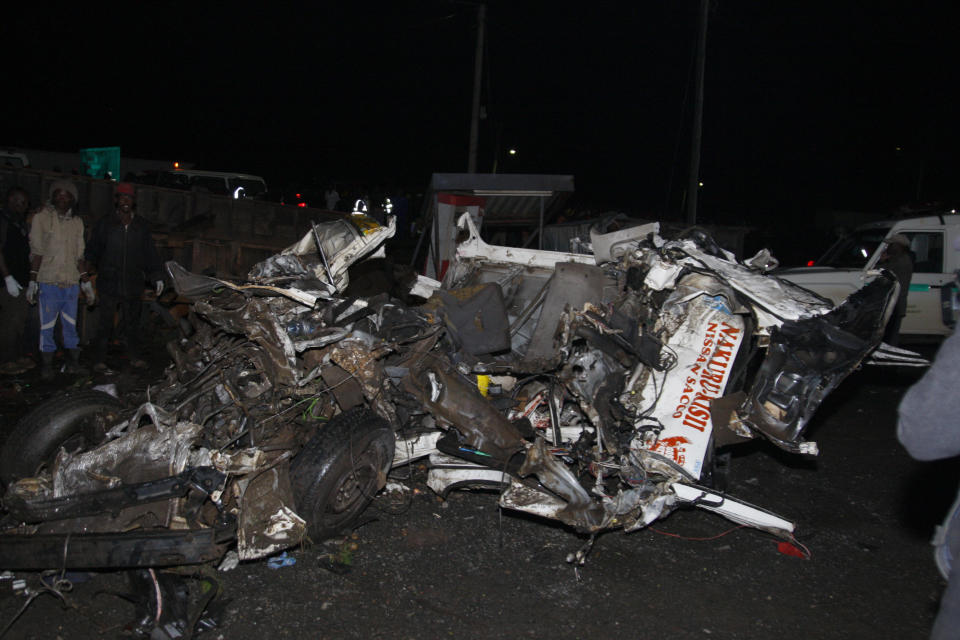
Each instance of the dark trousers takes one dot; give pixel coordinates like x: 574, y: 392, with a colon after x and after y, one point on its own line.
x: 20, y: 334
x: 127, y: 328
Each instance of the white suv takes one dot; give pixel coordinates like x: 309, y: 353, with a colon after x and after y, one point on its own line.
x: 852, y: 262
x: 234, y: 185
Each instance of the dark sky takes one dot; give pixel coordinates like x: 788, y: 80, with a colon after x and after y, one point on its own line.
x: 806, y: 103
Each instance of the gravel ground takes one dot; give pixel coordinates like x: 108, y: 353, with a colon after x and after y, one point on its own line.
x: 424, y: 568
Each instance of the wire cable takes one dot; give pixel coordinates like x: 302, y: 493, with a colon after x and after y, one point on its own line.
x: 698, y: 539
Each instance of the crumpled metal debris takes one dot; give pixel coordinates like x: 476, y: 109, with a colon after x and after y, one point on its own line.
x: 595, y: 390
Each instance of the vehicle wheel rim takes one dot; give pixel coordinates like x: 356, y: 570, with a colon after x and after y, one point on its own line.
x: 356, y: 485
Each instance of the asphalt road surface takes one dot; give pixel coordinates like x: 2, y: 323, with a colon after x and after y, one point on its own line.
x: 423, y: 568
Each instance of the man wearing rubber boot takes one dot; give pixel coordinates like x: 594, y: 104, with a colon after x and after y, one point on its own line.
x: 56, y: 267
x: 126, y: 258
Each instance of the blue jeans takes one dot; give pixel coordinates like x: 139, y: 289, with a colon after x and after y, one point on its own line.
x: 58, y: 301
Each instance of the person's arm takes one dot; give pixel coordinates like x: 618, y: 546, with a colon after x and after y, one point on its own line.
x: 35, y: 262
x: 36, y: 247
x: 32, y: 286
x: 929, y: 425
x: 13, y: 287
x: 81, y: 263
x: 4, y: 271
x: 84, y: 268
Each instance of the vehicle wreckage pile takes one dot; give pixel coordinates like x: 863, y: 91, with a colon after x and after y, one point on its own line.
x: 592, y: 389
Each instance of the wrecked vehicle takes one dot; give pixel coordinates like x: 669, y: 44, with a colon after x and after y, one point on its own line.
x: 598, y: 390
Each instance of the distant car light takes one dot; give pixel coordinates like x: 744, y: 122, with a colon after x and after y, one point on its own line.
x: 810, y: 263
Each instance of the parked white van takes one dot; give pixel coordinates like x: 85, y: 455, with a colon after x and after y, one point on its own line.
x: 235, y: 185
x: 852, y: 262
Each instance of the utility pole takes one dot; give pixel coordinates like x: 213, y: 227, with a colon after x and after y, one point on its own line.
x: 693, y: 186
x: 477, y: 74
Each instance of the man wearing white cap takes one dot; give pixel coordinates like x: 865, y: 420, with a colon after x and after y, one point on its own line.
x: 56, y: 268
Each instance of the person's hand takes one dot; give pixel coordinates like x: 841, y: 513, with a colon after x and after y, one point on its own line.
x: 13, y: 287
x: 88, y: 292
x: 159, y: 287
x: 32, y: 292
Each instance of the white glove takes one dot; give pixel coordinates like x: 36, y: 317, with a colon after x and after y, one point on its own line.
x: 32, y: 292
x: 159, y: 287
x: 88, y: 292
x: 13, y: 287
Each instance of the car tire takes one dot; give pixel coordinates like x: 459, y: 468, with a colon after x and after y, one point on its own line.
x: 75, y: 420
x: 337, y: 473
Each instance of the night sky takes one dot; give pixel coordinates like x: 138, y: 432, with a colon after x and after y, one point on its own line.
x: 809, y: 106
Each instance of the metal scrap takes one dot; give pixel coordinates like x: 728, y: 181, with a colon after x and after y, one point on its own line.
x: 595, y: 390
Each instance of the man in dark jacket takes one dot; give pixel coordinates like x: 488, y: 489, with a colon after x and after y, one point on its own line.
x: 898, y: 259
x: 126, y: 258
x: 15, y: 339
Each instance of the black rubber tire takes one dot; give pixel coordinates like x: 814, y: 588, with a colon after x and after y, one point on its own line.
x: 337, y: 473
x: 75, y: 419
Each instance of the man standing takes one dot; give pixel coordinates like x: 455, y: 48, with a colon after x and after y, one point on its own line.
x: 15, y: 269
x: 928, y: 429
x: 897, y: 258
x: 125, y: 256
x: 56, y: 264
